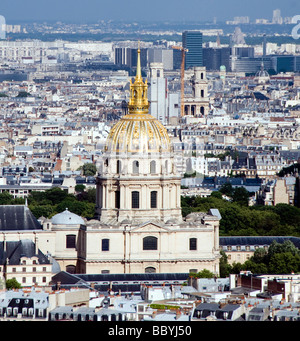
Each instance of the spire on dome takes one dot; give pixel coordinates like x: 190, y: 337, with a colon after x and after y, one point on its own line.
x: 138, y: 66
x: 138, y: 101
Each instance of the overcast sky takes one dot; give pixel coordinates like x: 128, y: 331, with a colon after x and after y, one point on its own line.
x: 150, y: 10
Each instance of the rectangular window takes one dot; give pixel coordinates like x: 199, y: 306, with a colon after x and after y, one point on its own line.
x: 117, y: 199
x: 71, y: 241
x: 105, y: 245
x: 154, y: 199
x: 135, y: 167
x: 150, y: 243
x: 193, y: 243
x: 135, y: 199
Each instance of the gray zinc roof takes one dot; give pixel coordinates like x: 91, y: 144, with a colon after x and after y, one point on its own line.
x: 17, y: 249
x: 17, y: 217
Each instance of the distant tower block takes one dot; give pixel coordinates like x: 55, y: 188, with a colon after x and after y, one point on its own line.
x: 158, y: 92
x: 198, y: 104
x: 2, y: 27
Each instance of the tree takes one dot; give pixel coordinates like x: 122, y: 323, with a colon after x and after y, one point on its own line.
x: 255, y: 268
x: 5, y: 198
x: 241, y: 196
x: 236, y: 268
x: 79, y: 188
x: 279, y: 259
x: 42, y: 210
x: 227, y: 189
x: 259, y: 255
x: 284, y: 263
x: 216, y: 194
x: 56, y: 195
x: 203, y: 274
x: 89, y: 169
x: 224, y: 267
x: 289, y: 215
x: 23, y: 94
x: 12, y: 284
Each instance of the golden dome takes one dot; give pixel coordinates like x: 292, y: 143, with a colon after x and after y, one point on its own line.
x: 138, y: 131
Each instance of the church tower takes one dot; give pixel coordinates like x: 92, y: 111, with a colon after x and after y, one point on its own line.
x: 197, y: 105
x: 138, y: 179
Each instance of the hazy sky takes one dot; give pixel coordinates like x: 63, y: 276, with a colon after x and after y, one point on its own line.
x: 151, y: 10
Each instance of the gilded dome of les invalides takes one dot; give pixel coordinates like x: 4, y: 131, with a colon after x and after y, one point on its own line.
x: 138, y: 131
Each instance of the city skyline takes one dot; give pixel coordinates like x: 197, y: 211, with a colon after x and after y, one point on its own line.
x: 94, y: 10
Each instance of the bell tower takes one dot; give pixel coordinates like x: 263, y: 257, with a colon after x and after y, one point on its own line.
x: 197, y: 105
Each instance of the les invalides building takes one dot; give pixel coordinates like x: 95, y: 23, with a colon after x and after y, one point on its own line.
x: 139, y: 226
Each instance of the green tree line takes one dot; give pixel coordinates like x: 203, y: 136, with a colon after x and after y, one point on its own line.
x: 278, y: 259
x: 239, y: 219
x: 55, y: 200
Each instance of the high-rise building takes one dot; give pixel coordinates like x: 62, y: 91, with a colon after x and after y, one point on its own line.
x: 2, y: 27
x: 177, y: 59
x: 125, y: 56
x: 286, y: 63
x: 158, y: 92
x: 277, y: 18
x: 237, y: 38
x: 164, y: 56
x: 214, y: 58
x: 192, y: 41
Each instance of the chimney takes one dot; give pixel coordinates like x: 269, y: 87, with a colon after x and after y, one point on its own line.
x: 36, y: 245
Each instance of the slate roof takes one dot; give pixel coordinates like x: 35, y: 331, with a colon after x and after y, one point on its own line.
x: 17, y: 249
x: 17, y: 217
x: 123, y: 282
x: 257, y: 240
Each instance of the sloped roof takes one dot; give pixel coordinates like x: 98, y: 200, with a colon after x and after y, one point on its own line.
x: 17, y: 217
x: 257, y: 240
x: 17, y: 249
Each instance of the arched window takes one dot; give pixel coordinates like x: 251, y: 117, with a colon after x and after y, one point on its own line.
x: 135, y: 167
x: 105, y: 245
x: 71, y: 269
x: 150, y: 270
x: 202, y: 93
x: 71, y: 241
x: 135, y: 199
x: 152, y: 167
x: 150, y: 243
x: 153, y: 199
x: 193, y: 243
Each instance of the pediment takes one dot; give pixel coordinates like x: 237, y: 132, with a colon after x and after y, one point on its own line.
x: 150, y: 227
